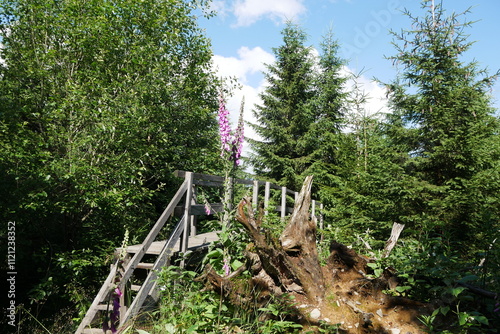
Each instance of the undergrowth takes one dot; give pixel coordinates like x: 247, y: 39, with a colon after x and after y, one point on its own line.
x: 186, y: 308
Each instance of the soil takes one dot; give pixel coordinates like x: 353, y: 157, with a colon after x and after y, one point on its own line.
x: 357, y: 303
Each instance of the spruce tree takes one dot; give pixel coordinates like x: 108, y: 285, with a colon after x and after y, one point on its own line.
x: 285, y: 116
x: 328, y: 107
x: 443, y: 122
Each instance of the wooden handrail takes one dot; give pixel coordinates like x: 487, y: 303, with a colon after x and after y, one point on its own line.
x: 218, y: 181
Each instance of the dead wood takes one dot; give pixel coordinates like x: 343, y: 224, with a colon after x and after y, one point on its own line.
x: 479, y: 291
x: 393, y: 239
x: 339, y: 292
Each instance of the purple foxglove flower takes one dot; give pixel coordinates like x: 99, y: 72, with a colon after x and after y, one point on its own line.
x: 230, y: 142
x: 227, y: 269
x: 239, y: 137
x: 224, y: 128
x: 115, y: 314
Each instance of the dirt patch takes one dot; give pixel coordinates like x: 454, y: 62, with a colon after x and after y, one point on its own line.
x: 357, y: 303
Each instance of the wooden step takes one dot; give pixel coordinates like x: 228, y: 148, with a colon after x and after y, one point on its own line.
x: 195, y: 242
x: 95, y: 331
x: 104, y: 307
x: 143, y: 265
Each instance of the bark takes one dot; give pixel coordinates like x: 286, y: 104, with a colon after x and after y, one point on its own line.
x: 292, y: 263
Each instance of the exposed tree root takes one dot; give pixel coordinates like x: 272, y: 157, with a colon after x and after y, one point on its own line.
x: 339, y: 292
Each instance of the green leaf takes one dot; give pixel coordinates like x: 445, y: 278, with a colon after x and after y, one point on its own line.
x: 456, y: 291
x: 462, y: 318
x: 469, y: 278
x: 403, y: 288
x: 215, y: 253
x: 481, y: 319
x: 236, y: 264
x: 444, y: 310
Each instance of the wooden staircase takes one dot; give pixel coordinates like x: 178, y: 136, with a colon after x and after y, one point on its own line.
x: 152, y: 255
x: 121, y: 273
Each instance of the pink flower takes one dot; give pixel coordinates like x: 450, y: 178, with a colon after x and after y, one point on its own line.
x: 238, y: 138
x: 227, y: 269
x: 224, y: 128
x: 230, y: 142
x: 118, y: 292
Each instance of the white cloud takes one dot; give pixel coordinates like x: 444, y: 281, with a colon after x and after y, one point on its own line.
x: 376, y: 100
x: 219, y: 7
x: 376, y: 95
x: 249, y: 61
x: 248, y: 12
x: 375, y: 105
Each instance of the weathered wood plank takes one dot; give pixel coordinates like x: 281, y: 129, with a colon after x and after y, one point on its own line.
x: 200, y: 240
x: 219, y: 180
x: 187, y: 214
x: 150, y: 283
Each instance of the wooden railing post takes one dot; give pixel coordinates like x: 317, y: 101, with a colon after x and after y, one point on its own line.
x: 255, y: 194
x: 267, y: 194
x: 313, y: 209
x: 187, y: 209
x: 193, y: 220
x: 283, y: 203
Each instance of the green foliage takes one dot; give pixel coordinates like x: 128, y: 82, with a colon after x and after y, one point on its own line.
x: 184, y: 309
x: 442, y: 122
x: 328, y: 108
x: 98, y: 102
x: 462, y: 321
x: 283, y: 117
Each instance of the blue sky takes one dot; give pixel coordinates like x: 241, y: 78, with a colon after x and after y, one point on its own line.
x: 245, y: 31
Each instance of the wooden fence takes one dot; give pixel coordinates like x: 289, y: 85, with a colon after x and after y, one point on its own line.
x: 285, y: 206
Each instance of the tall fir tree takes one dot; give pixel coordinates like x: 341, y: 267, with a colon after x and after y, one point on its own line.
x: 328, y: 107
x: 285, y: 116
x: 443, y: 122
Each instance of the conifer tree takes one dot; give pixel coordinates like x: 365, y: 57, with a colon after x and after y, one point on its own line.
x: 328, y: 106
x: 285, y: 116
x: 443, y: 120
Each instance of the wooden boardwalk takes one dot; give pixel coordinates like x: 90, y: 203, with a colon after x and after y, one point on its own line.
x: 195, y: 243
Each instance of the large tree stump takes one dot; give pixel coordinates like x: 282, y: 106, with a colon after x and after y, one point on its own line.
x: 339, y: 292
